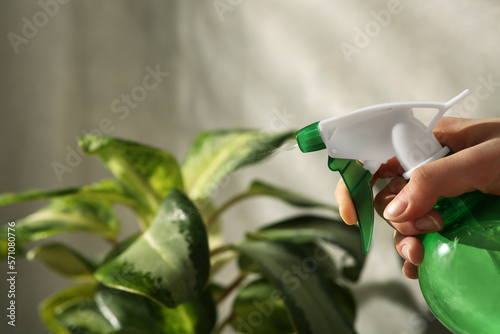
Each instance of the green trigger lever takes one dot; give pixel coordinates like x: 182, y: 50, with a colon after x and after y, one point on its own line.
x: 358, y: 182
x: 356, y: 178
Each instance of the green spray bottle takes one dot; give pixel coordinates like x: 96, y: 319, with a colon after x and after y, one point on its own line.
x: 460, y: 273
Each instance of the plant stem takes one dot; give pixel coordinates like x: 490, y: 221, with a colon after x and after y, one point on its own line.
x: 225, y: 323
x: 220, y: 256
x: 224, y: 293
x: 221, y: 249
x: 211, y: 220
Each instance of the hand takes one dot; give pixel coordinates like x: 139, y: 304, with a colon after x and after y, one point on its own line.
x: 408, y: 206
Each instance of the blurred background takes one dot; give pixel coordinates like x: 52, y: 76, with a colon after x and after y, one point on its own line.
x: 159, y: 72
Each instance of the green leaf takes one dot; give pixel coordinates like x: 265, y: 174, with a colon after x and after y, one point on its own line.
x: 67, y: 215
x: 248, y: 265
x: 63, y: 259
x: 92, y: 200
x: 132, y: 313
x: 258, y: 308
x: 325, y: 260
x: 313, y: 250
x: 215, y: 155
x: 106, y: 190
x: 345, y: 299
x: 297, y: 277
x: 146, y: 173
x: 260, y: 188
x: 35, y: 194
x: 73, y: 310
x: 118, y: 249
x: 169, y: 262
x: 306, y: 229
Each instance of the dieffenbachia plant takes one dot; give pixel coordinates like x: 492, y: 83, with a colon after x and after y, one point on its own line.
x: 162, y: 279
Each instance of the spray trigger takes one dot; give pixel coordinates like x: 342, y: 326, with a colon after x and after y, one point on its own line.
x: 388, y: 130
x: 358, y: 182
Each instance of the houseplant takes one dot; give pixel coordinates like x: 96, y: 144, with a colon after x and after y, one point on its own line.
x: 160, y: 279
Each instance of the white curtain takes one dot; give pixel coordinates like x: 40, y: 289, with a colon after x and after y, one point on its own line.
x: 161, y: 71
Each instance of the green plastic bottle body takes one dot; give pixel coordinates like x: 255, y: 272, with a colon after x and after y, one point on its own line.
x: 460, y: 274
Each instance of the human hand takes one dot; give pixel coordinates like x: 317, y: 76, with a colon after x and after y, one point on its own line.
x: 408, y: 206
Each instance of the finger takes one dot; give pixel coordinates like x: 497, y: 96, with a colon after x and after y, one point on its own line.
x: 346, y: 206
x: 461, y: 133
x: 389, y: 170
x: 388, y: 193
x: 430, y: 222
x: 410, y: 270
x: 456, y: 133
x: 448, y: 177
x: 412, y: 250
x: 409, y: 248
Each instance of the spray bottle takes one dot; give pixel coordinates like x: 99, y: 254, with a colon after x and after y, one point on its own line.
x: 460, y: 273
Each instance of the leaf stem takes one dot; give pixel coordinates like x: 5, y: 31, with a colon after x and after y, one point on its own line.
x: 211, y: 220
x: 221, y: 249
x: 224, y: 293
x: 220, y: 256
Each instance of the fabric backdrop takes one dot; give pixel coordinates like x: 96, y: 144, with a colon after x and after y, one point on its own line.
x: 275, y: 64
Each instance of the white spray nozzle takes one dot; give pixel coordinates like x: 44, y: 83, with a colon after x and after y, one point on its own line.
x: 377, y: 133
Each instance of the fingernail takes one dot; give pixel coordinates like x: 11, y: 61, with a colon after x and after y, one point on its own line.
x: 405, y: 251
x: 427, y: 223
x: 340, y: 212
x: 395, y: 208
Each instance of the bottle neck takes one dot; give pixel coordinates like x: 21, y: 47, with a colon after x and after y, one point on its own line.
x: 455, y: 210
x: 472, y: 219
x: 476, y: 203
